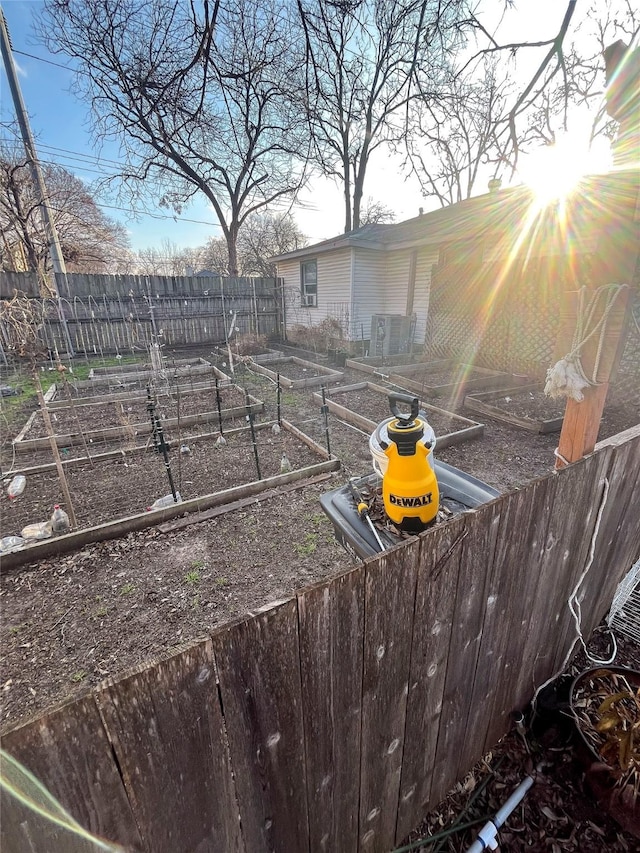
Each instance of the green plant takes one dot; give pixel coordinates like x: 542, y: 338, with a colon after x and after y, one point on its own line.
x: 308, y: 545
x: 126, y: 589
x: 221, y: 581
x: 101, y: 611
x: 197, y: 564
x: 192, y: 577
x: 78, y: 676
x: 195, y: 601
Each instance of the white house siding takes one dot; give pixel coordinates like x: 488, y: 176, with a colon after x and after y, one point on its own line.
x: 396, y: 285
x: 368, y: 290
x: 334, y: 289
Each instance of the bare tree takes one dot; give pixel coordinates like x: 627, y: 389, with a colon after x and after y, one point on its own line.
x: 262, y: 236
x: 364, y: 58
x: 454, y: 137
x: 90, y: 241
x: 265, y: 235
x: 376, y: 213
x: 196, y: 93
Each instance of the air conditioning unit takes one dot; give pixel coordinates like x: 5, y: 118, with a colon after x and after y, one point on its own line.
x: 391, y: 334
x: 308, y: 300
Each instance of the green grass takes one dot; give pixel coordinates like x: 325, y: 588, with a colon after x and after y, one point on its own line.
x: 192, y: 577
x: 126, y: 589
x: 308, y: 545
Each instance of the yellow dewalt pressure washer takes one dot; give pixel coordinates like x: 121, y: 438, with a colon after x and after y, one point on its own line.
x: 409, y: 485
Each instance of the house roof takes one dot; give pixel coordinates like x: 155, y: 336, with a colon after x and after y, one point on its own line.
x: 504, y: 210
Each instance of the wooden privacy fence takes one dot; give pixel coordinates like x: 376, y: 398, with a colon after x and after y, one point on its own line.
x: 113, y: 314
x: 335, y: 719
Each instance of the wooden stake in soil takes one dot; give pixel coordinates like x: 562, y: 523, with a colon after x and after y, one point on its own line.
x: 54, y: 449
x: 602, y: 353
x: 253, y: 432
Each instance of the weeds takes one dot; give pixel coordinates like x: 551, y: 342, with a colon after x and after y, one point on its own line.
x: 78, y: 676
x: 308, y: 545
x: 192, y: 577
x: 126, y: 589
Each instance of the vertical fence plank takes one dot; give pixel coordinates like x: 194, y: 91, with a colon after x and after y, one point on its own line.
x: 69, y: 752
x: 466, y: 634
x: 331, y: 631
x: 439, y: 563
x: 166, y: 727
x: 522, y: 541
x: 494, y: 599
x: 572, y: 522
x: 259, y: 669
x: 390, y: 589
x: 618, y: 543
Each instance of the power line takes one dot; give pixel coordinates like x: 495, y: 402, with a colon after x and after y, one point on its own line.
x: 42, y: 59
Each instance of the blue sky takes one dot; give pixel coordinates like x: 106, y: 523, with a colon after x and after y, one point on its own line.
x: 60, y: 125
x: 58, y: 121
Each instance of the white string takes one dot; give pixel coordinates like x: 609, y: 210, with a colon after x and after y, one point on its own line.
x: 576, y: 613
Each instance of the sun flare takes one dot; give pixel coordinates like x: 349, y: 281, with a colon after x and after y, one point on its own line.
x: 552, y: 172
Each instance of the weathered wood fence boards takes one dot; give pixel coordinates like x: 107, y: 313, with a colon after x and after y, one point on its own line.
x: 335, y: 719
x: 112, y: 314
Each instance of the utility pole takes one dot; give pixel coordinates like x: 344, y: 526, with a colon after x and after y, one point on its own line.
x: 57, y: 258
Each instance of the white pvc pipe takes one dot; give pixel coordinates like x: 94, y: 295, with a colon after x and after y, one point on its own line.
x: 487, y: 836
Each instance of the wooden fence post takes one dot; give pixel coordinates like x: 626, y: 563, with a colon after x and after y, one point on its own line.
x: 582, y: 419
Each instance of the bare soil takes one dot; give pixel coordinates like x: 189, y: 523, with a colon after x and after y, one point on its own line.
x: 293, y: 371
x: 68, y: 623
x: 530, y: 404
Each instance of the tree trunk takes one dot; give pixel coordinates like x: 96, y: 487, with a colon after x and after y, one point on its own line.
x: 347, y: 195
x: 232, y: 248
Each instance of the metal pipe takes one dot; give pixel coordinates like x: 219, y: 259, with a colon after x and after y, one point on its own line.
x: 325, y: 413
x: 278, y: 395
x: 253, y: 432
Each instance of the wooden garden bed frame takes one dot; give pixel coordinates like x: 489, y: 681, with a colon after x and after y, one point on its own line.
x: 136, y: 395
x: 469, y: 429
x: 375, y: 364
x: 25, y: 445
x: 196, y: 366
x: 488, y: 378
x: 122, y: 526
x: 328, y: 376
x: 483, y: 403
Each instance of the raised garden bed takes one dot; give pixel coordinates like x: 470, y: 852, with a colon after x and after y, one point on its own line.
x: 296, y: 373
x: 449, y: 378
x: 367, y: 405
x: 111, y: 497
x: 525, y: 406
x: 124, y: 377
x: 258, y: 354
x: 76, y: 425
x: 378, y: 364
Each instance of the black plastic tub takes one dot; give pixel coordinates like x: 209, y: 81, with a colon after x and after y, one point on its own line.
x: 459, y: 492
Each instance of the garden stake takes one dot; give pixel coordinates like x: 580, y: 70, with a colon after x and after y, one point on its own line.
x: 278, y: 395
x: 253, y: 432
x: 165, y: 454
x: 325, y: 413
x: 218, y: 405
x: 152, y: 417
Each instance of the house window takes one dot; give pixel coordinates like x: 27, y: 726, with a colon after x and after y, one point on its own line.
x: 309, y: 283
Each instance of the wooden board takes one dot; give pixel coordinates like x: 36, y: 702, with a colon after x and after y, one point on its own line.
x: 259, y: 670
x: 468, y: 429
x: 483, y: 403
x: 618, y: 542
x: 166, y: 726
x: 390, y: 590
x: 327, y: 377
x: 438, y: 567
x: 525, y: 573
x: 466, y: 633
x: 331, y: 630
x: 69, y: 752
